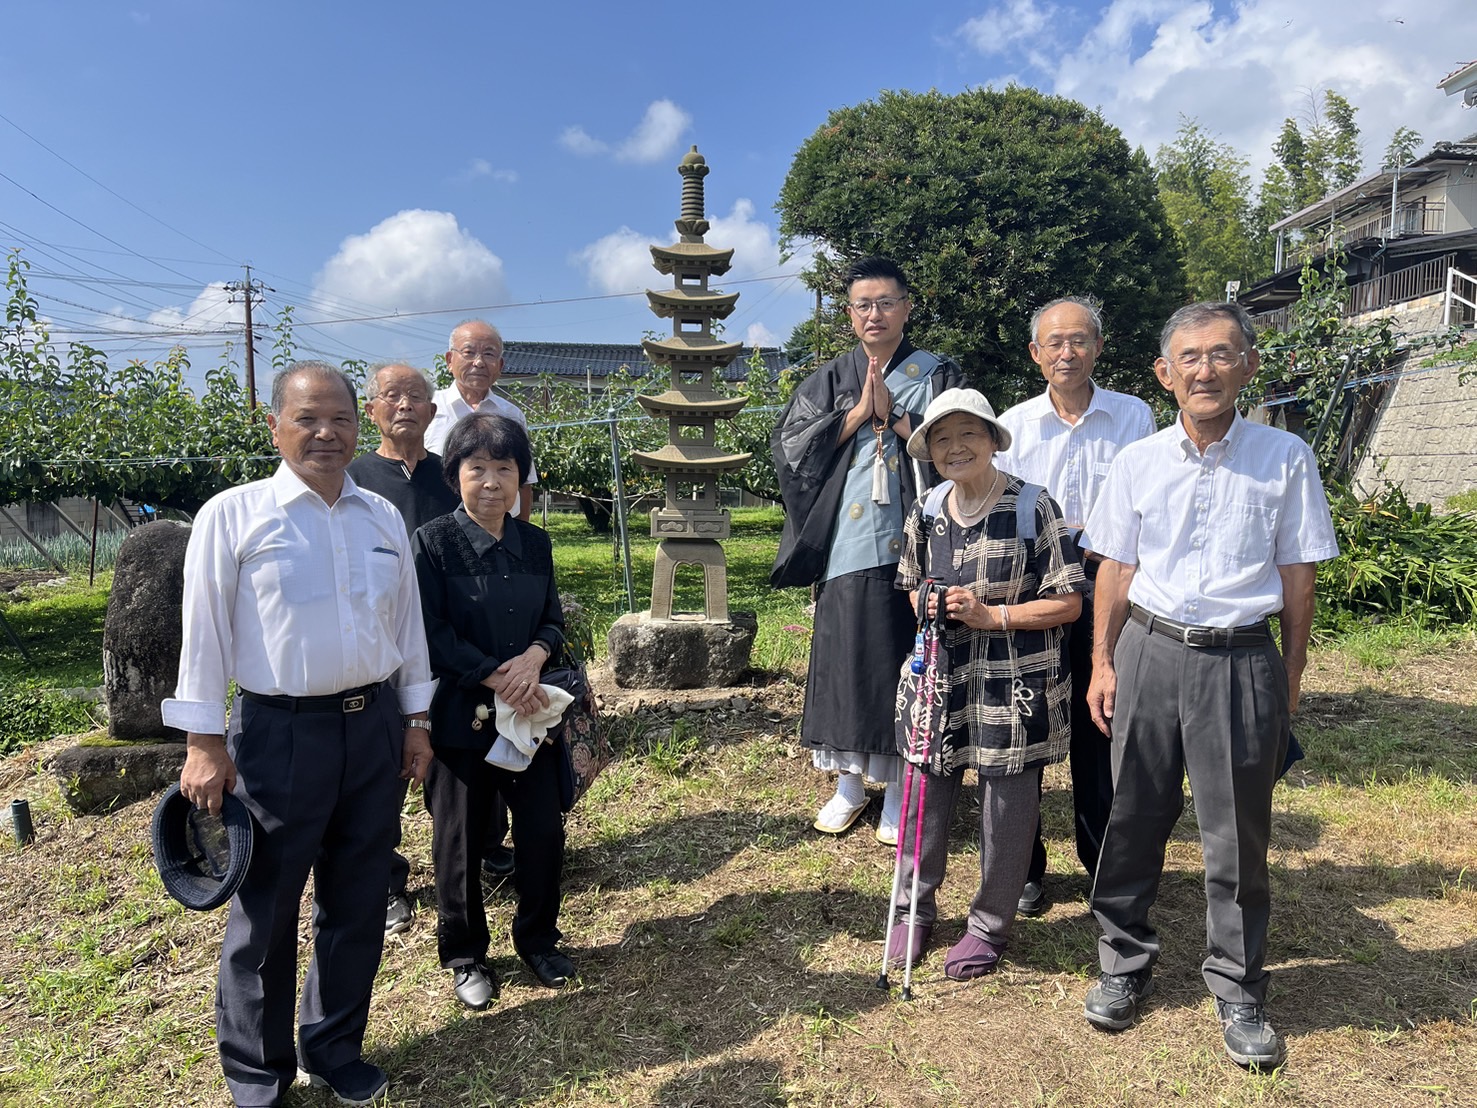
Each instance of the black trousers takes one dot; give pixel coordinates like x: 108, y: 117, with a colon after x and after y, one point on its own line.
x: 1220, y: 715
x: 325, y: 791
x: 1090, y: 757
x: 460, y: 789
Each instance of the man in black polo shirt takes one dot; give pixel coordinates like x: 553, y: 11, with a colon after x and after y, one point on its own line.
x: 398, y: 399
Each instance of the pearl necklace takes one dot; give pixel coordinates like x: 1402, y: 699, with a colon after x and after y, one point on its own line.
x: 980, y: 505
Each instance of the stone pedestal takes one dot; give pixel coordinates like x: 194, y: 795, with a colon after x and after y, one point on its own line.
x: 680, y: 653
x: 142, y: 631
x: 100, y: 778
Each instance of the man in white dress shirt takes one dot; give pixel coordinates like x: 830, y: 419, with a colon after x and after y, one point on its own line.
x: 1064, y: 440
x: 475, y: 358
x: 1205, y: 530
x: 300, y: 588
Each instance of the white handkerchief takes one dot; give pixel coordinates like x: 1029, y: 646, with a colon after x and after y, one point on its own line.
x: 518, y: 737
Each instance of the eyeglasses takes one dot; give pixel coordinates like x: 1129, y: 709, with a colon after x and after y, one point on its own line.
x: 884, y: 304
x: 1220, y: 358
x: 470, y: 353
x: 393, y: 397
x: 1056, y: 346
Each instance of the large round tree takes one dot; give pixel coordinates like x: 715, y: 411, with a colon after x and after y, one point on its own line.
x: 993, y: 202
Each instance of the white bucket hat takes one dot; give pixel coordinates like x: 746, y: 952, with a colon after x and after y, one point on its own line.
x: 948, y: 402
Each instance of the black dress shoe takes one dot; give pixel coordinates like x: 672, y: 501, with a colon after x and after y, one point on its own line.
x: 475, y: 985
x: 1033, y: 901
x: 554, y: 969
x: 497, y: 863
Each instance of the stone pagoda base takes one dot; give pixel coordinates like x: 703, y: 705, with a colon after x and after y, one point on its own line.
x: 689, y: 653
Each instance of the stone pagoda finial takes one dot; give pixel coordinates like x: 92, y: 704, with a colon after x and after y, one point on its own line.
x: 693, y: 223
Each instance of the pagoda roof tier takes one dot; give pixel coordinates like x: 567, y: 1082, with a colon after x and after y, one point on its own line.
x: 685, y: 350
x: 690, y: 460
x: 668, y: 302
x: 691, y: 255
x: 674, y: 402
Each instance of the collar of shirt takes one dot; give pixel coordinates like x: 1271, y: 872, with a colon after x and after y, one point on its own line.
x: 483, y: 541
x: 287, y: 486
x: 1223, y: 449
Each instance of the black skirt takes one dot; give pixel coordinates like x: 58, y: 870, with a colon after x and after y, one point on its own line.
x: 864, y: 627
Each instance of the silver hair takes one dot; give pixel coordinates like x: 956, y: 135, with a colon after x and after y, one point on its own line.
x: 1089, y: 304
x: 451, y: 339
x: 301, y: 369
x: 372, y: 381
x: 1208, y: 311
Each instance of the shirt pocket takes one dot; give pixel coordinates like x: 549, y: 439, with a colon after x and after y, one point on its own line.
x: 292, y: 573
x: 382, y: 580
x: 1244, y: 535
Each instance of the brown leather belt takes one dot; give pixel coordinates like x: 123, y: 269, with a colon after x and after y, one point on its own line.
x: 350, y: 700
x: 1252, y: 634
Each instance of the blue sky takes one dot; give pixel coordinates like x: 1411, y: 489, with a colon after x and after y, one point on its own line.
x: 372, y: 159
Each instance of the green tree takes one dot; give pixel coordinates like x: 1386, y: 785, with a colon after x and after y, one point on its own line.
x: 1402, y: 148
x: 74, y: 426
x: 1205, y: 188
x: 1316, y: 154
x: 993, y: 202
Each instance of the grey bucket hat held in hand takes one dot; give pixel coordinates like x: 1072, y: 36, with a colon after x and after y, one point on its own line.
x: 971, y: 401
x: 201, y: 858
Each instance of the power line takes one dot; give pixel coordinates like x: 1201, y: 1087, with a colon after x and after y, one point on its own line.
x: 110, y: 192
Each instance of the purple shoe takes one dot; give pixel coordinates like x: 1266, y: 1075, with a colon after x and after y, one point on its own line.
x: 971, y: 957
x: 897, y: 944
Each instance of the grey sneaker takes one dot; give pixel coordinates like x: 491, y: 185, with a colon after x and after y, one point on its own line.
x: 1113, y: 1003
x: 398, y: 914
x: 1250, y: 1039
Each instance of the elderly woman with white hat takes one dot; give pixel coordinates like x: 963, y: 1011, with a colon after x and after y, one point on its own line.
x: 1009, y: 578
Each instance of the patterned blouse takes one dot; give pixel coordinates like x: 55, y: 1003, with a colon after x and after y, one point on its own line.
x: 1009, y: 691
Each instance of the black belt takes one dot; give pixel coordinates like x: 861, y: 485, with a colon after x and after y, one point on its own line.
x: 1253, y: 634
x: 350, y: 700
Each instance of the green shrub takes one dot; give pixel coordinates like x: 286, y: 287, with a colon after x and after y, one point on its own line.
x: 31, y: 714
x: 1398, y: 560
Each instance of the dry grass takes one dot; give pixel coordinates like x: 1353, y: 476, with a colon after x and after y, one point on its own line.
x: 729, y: 953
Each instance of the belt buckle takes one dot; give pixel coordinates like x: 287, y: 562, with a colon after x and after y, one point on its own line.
x: 355, y: 703
x: 1199, y: 636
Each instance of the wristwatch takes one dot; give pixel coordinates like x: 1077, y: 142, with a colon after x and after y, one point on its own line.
x: 897, y: 415
x: 419, y: 724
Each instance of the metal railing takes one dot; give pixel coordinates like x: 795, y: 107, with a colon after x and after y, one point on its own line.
x: 1409, y: 219
x: 1423, y: 279
x: 1456, y: 279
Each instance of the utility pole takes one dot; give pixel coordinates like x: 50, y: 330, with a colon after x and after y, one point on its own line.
x: 248, y: 289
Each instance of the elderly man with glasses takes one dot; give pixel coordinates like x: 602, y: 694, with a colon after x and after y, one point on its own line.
x: 1205, y: 529
x: 475, y: 358
x: 847, y: 485
x: 1064, y: 440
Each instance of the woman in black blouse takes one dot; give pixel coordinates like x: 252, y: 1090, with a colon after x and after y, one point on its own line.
x: 493, y: 620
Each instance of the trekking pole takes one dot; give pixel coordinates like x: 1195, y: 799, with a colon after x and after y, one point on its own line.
x: 930, y: 684
x: 909, y: 772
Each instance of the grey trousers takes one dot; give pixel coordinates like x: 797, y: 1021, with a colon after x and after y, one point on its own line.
x: 1009, y: 809
x: 325, y: 790
x: 1222, y: 716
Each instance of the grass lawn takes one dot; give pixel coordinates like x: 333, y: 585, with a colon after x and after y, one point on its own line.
x: 729, y: 953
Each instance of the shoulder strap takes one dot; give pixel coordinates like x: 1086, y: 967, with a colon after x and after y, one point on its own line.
x: 1025, y: 512
x: 935, y: 502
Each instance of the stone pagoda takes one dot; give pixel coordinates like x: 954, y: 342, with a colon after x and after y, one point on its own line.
x: 662, y: 648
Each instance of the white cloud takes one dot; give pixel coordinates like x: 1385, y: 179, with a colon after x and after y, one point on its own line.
x: 413, y: 260
x: 578, y: 141
x: 760, y: 335
x: 1003, y: 25
x: 656, y: 136
x: 620, y: 262
x: 211, y: 310
x: 481, y: 167
x: 1144, y: 63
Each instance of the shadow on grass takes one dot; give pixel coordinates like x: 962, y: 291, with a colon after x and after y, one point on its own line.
x: 1370, y: 736
x: 671, y: 990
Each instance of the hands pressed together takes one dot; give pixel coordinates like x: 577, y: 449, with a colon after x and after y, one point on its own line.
x: 517, y: 681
